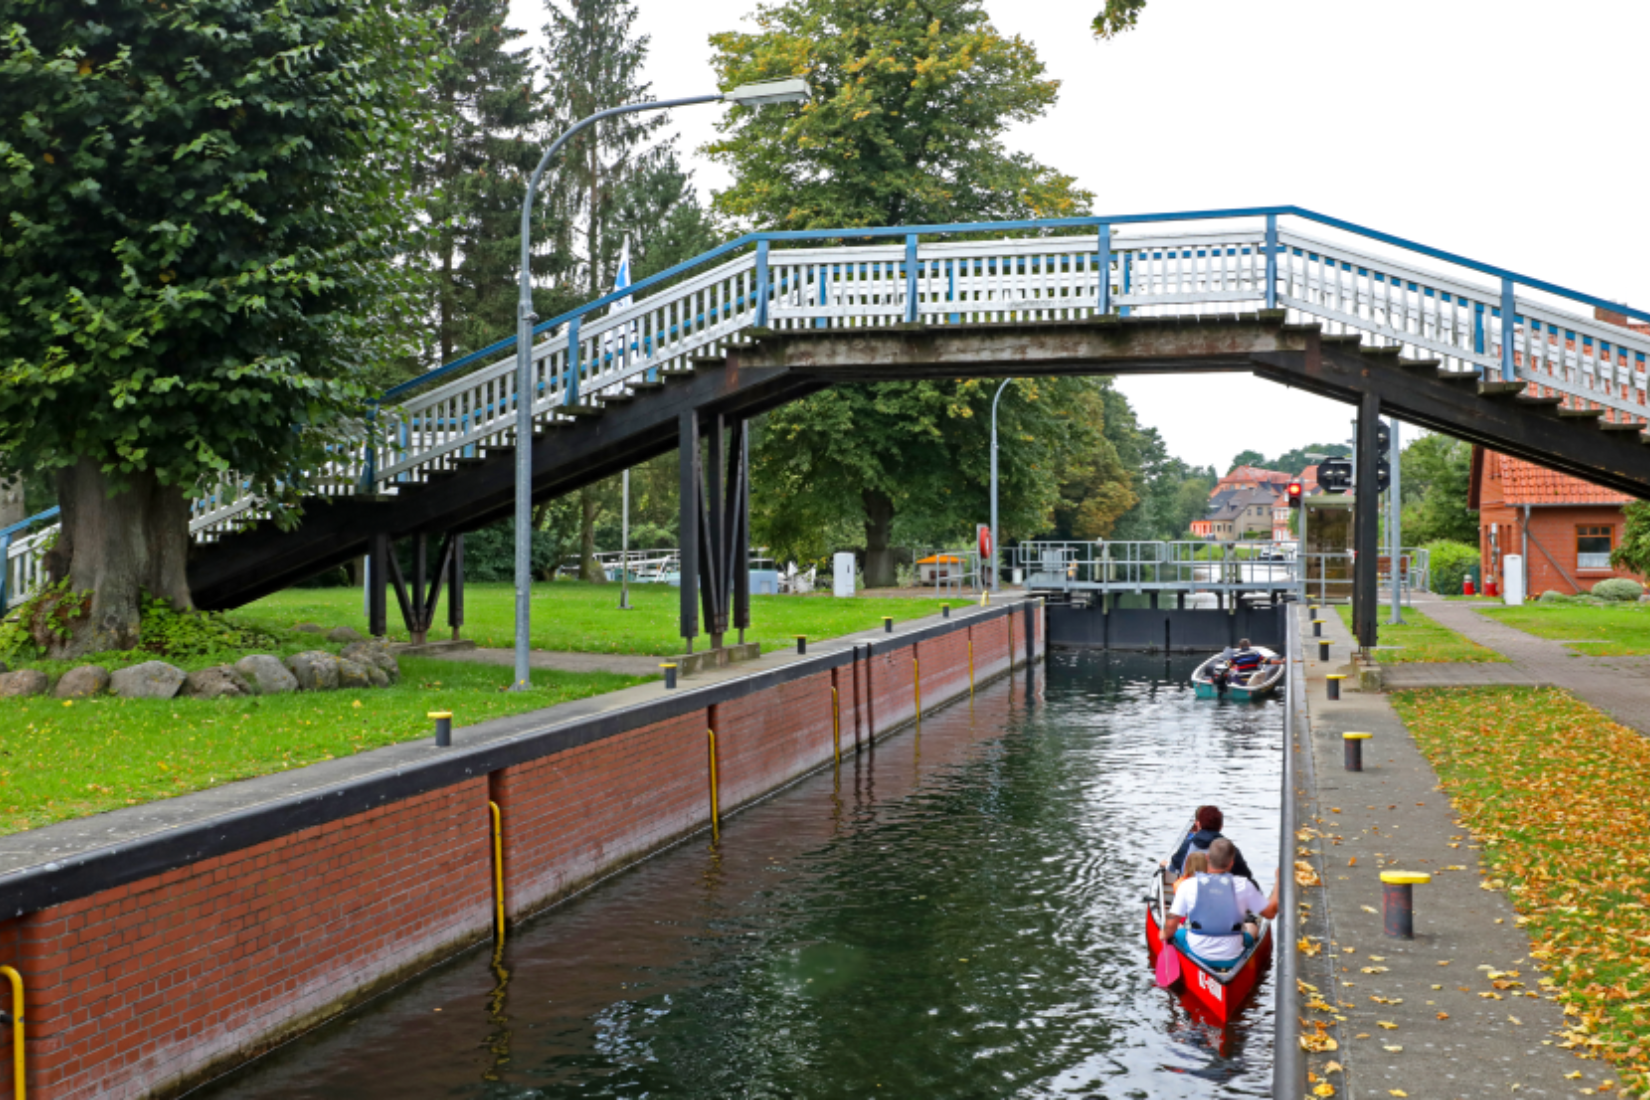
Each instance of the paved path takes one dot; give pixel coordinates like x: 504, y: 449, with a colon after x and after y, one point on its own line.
x: 1619, y: 686
x: 627, y: 664
x: 1392, y: 815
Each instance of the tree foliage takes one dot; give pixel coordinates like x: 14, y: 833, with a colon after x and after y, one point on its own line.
x: 204, y: 202
x: 911, y: 103
x: 1633, y: 554
x: 1118, y: 16
x: 1436, y: 474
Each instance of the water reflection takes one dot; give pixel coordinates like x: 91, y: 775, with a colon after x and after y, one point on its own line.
x: 951, y: 915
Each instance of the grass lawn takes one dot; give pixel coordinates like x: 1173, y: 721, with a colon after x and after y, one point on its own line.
x: 585, y: 618
x: 1627, y: 626
x: 61, y: 760
x: 1555, y: 791
x: 1424, y: 642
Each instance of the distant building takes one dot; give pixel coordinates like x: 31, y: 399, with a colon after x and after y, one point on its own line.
x: 1234, y: 513
x: 1562, y: 526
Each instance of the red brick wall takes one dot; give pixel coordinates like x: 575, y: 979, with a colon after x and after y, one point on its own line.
x: 1552, y: 529
x: 148, y: 986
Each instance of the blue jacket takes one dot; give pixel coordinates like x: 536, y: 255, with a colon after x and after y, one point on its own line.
x: 1203, y: 838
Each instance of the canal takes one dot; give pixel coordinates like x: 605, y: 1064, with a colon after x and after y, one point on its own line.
x: 954, y: 913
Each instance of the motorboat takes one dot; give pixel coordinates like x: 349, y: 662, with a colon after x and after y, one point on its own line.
x: 1214, y: 678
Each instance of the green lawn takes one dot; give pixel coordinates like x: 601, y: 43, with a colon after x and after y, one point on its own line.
x: 1424, y: 642
x: 1618, y: 631
x: 585, y: 618
x: 61, y: 760
x: 1553, y: 790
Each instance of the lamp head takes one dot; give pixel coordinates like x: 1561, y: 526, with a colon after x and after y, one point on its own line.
x: 795, y: 90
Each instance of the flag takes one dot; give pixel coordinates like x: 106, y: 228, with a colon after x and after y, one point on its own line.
x: 614, y: 342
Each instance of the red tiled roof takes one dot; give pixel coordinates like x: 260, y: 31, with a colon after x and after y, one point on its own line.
x: 1526, y: 483
x: 1255, y: 473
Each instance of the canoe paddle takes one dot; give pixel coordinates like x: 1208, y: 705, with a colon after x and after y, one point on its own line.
x: 1168, y: 966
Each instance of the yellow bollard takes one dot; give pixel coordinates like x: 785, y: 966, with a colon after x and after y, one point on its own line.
x: 715, y: 808
x: 836, y: 723
x: 498, y: 873
x: 21, y: 1079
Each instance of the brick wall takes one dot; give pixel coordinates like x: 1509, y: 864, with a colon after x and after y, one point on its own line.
x: 1552, y: 530
x: 145, y: 988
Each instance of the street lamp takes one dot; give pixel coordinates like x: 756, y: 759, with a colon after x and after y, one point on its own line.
x: 748, y: 95
x: 996, y: 574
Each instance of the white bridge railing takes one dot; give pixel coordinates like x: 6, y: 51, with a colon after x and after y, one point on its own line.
x: 1202, y: 263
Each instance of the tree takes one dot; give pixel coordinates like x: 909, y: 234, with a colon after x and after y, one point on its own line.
x: 1633, y: 554
x: 1436, y: 475
x: 1247, y: 458
x: 474, y: 175
x: 911, y: 103
x: 1118, y: 16
x: 204, y: 205
x: 616, y: 180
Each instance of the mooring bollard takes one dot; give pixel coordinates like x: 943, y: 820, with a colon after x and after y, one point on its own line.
x: 1334, y: 680
x: 443, y: 727
x: 1323, y: 651
x: 1315, y: 610
x: 945, y: 611
x: 670, y: 675
x: 887, y: 624
x: 1317, y: 628
x: 1398, y: 901
x: 1355, y: 750
x: 802, y: 643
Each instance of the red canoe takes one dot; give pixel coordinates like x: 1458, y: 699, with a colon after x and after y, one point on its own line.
x: 1221, y: 993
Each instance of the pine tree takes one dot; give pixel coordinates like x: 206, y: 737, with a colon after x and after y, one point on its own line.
x: 617, y: 179
x: 475, y: 176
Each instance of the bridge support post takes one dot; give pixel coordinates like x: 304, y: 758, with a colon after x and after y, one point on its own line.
x: 716, y: 524
x: 687, y: 444
x: 1366, y: 523
x: 418, y: 601
x: 378, y: 578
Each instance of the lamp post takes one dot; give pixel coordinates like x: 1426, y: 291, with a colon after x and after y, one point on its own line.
x: 996, y: 574
x: 748, y: 95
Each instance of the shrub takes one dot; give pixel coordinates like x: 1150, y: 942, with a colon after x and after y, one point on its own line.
x: 1553, y: 595
x: 1618, y: 588
x: 1450, y: 562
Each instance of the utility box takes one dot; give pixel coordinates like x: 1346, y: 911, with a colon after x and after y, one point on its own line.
x: 842, y: 575
x: 1512, y: 579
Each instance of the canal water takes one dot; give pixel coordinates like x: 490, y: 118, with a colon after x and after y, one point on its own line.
x: 955, y: 913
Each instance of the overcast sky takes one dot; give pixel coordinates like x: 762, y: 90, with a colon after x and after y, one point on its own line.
x: 1498, y: 129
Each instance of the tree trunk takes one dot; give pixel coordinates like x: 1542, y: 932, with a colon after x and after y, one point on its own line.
x: 590, y: 506
x: 879, y: 528
x: 114, y: 548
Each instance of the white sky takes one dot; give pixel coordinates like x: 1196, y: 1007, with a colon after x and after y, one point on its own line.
x: 1497, y: 129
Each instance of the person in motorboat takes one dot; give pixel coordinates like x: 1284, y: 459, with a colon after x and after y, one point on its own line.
x: 1208, y: 821
x: 1246, y: 661
x: 1212, y: 921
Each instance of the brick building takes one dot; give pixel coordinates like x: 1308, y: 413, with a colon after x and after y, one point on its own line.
x: 1563, y: 527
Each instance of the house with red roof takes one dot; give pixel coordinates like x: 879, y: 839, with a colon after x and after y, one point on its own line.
x: 1562, y: 526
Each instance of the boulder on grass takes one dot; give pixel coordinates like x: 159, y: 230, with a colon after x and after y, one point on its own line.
x: 344, y: 634
x: 377, y: 675
x: 82, y: 682
x: 266, y: 674
x: 216, y: 683
x: 25, y: 681
x: 352, y: 675
x: 150, y: 680
x: 375, y: 653
x: 315, y: 670
x: 310, y: 628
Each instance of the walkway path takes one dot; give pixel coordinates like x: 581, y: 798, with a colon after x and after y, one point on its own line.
x: 1619, y: 686
x: 1445, y: 1040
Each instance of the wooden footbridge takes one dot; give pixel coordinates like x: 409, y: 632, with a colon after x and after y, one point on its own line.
x: 1385, y: 324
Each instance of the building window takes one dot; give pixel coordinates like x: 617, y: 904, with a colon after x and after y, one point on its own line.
x: 1593, y: 547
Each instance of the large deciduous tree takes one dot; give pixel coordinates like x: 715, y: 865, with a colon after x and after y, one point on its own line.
x: 202, y: 204
x: 910, y: 107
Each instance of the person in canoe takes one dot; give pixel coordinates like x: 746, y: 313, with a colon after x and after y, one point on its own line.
x: 1212, y: 919
x: 1208, y: 821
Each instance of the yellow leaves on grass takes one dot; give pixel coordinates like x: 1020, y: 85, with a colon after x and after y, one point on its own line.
x: 1545, y: 782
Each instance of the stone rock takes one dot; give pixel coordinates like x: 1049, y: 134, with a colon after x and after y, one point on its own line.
x: 266, y: 674
x: 216, y: 683
x: 375, y: 653
x: 25, y: 681
x: 343, y: 634
x: 352, y: 674
x: 315, y: 670
x: 377, y: 676
x: 79, y: 683
x: 150, y: 680
x: 310, y: 628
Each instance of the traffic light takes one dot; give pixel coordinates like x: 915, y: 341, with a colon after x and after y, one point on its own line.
x: 1295, y: 491
x: 1383, y: 448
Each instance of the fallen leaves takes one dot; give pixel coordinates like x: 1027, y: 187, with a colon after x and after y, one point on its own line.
x: 1305, y: 875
